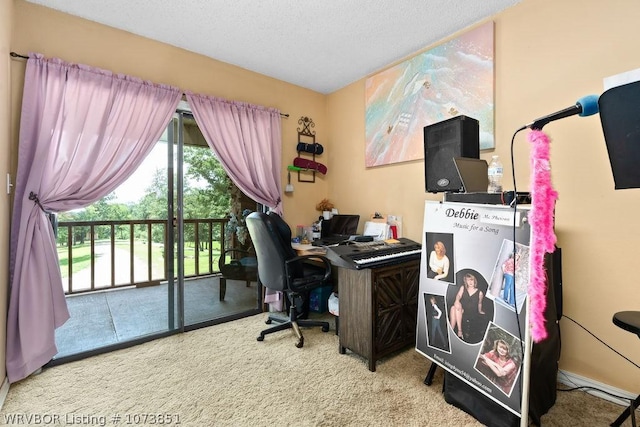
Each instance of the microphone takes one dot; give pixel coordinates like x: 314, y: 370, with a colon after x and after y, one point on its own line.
x: 585, y: 106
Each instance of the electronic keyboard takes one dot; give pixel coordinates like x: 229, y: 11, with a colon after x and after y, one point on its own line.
x: 374, y: 254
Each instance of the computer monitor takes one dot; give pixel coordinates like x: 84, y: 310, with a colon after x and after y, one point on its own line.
x: 340, y: 225
x: 473, y: 174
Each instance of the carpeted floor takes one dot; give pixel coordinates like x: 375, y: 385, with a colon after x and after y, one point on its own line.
x: 221, y: 376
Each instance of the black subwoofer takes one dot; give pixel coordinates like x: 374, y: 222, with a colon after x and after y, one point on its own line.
x: 455, y: 137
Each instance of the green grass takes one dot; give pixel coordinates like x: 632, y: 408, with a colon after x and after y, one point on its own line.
x: 82, y: 257
x: 203, y: 259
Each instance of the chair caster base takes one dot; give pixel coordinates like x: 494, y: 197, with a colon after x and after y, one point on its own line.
x: 260, y: 338
x: 325, y: 329
x: 300, y: 342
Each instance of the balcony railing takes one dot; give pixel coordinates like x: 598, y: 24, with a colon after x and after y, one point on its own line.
x: 102, y: 255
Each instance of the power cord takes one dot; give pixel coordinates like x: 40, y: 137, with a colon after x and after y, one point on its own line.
x: 514, y: 205
x: 588, y: 388
x: 602, y: 342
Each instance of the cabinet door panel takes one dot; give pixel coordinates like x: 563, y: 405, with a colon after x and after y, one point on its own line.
x: 412, y: 283
x: 389, y: 331
x: 389, y: 295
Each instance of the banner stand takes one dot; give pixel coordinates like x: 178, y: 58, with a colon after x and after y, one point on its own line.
x: 473, y: 304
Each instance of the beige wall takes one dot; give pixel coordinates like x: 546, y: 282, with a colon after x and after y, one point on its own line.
x: 548, y: 54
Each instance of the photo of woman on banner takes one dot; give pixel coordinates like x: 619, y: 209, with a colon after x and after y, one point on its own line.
x: 439, y: 264
x: 469, y: 312
x: 499, y: 359
x: 436, y: 322
x: 510, y: 279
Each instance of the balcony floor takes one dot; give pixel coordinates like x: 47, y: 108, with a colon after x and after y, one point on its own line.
x: 108, y: 317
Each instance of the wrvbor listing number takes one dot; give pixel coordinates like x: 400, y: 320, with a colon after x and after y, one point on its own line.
x: 90, y: 420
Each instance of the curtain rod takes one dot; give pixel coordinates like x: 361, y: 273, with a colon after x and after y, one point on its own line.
x: 17, y: 55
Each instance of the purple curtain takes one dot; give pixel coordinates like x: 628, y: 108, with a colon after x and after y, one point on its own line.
x: 248, y: 142
x: 83, y: 132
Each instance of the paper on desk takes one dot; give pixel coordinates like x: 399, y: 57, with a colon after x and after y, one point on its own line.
x: 379, y: 230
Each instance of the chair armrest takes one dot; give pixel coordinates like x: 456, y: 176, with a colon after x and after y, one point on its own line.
x: 223, y: 256
x: 302, y: 258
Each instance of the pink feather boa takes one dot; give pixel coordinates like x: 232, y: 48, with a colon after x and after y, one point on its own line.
x: 543, y: 237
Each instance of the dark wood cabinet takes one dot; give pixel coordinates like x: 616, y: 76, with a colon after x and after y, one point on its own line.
x: 378, y: 309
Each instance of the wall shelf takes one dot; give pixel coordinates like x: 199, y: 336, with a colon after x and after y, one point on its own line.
x: 306, y: 136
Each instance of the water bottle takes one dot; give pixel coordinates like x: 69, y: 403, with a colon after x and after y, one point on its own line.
x: 494, y: 174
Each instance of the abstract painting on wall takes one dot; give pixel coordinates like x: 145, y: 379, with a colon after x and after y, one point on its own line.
x: 454, y: 78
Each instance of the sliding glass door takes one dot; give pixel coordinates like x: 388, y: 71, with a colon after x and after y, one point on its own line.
x: 207, y: 198
x: 143, y: 262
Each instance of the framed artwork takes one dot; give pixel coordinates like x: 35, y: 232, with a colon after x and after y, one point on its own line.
x: 454, y: 78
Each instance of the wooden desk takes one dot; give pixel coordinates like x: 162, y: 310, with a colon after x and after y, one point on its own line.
x: 308, y: 249
x: 378, y: 309
x: 378, y: 306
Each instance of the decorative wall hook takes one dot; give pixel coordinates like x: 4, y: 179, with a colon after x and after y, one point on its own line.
x: 306, y: 146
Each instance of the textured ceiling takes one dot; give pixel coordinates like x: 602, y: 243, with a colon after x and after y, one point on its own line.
x: 322, y: 45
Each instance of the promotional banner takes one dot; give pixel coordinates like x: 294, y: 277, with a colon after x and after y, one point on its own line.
x: 474, y: 278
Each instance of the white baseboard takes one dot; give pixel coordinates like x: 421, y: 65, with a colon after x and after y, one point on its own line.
x: 4, y: 390
x: 573, y: 380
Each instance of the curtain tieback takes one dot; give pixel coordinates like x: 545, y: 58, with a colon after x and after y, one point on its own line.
x: 33, y: 196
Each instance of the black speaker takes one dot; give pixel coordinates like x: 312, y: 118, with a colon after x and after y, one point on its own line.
x: 553, y: 266
x: 620, y: 118
x: 455, y: 137
x: 545, y: 357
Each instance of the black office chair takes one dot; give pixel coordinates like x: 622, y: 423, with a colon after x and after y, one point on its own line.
x: 629, y: 321
x: 281, y: 269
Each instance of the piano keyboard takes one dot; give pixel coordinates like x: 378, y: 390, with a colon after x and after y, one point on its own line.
x: 374, y: 254
x: 387, y: 258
